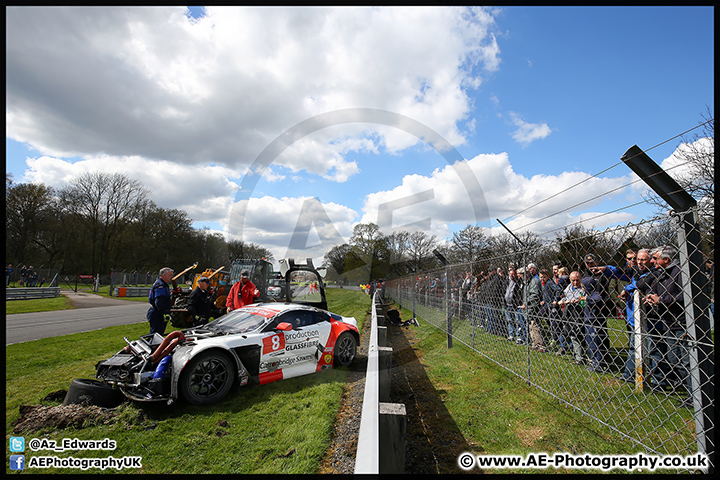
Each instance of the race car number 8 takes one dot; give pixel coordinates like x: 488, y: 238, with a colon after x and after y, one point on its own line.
x: 273, y: 343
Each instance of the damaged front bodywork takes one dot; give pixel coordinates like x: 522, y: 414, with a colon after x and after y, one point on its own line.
x: 143, y: 377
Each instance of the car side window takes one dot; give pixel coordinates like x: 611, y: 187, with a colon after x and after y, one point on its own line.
x: 272, y: 325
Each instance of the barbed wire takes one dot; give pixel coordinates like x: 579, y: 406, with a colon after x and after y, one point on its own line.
x: 595, y: 176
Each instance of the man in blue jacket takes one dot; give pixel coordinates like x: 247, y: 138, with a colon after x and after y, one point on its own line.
x: 159, y: 297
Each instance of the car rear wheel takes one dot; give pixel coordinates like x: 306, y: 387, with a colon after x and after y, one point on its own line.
x: 207, y: 378
x: 345, y: 350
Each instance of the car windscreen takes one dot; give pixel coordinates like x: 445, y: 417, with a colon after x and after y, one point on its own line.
x: 241, y: 320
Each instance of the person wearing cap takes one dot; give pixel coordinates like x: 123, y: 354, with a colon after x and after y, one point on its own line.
x: 636, y: 268
x: 597, y: 339
x: 199, y: 302
x: 242, y: 293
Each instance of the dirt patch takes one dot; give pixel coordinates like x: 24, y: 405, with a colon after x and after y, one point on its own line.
x: 35, y: 418
x: 91, y: 300
x: 530, y: 436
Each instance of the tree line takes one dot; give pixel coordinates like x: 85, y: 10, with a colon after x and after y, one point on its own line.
x: 102, y: 221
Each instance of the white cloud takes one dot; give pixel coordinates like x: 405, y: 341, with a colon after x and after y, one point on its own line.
x: 528, y: 132
x: 203, y: 191
x: 149, y: 82
x: 292, y: 225
x: 505, y: 193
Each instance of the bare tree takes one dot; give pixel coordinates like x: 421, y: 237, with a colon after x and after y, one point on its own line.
x: 28, y: 209
x: 695, y: 171
x: 104, y: 204
x: 420, y: 249
x: 468, y: 243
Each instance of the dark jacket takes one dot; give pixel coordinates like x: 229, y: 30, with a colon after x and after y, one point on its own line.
x: 598, y: 301
x: 199, y: 303
x: 666, y: 284
x: 496, y: 289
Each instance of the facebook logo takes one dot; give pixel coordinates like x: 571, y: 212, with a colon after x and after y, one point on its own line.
x: 17, y: 462
x: 17, y: 444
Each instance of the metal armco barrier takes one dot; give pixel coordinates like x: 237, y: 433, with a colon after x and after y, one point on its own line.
x: 381, y: 440
x: 132, y: 291
x: 26, y: 293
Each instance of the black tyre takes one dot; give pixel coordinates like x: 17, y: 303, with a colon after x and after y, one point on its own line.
x: 345, y: 350
x: 207, y: 378
x: 93, y: 392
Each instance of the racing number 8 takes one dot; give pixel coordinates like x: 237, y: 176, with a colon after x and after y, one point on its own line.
x: 273, y: 343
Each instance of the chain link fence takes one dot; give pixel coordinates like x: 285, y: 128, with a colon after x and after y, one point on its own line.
x: 628, y: 343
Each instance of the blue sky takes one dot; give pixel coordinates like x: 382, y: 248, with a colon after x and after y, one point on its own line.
x: 532, y: 99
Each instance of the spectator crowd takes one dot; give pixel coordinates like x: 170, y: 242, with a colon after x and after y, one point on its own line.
x: 565, y: 313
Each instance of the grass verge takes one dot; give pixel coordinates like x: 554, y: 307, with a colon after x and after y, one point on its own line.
x: 37, y: 305
x: 498, y: 413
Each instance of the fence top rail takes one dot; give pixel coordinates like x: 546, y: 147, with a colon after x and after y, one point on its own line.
x: 367, y: 458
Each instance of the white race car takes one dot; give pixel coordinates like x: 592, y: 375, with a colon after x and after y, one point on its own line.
x: 258, y: 343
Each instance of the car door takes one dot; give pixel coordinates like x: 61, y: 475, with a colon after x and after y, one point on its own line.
x: 305, y: 343
x: 273, y: 355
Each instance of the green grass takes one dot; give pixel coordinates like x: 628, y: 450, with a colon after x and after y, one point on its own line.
x: 282, y: 427
x: 499, y: 413
x: 37, y: 305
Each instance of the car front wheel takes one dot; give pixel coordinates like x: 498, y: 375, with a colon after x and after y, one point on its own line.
x: 345, y: 350
x: 207, y: 378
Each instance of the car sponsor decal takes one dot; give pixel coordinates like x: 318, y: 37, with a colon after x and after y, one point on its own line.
x: 268, y: 377
x: 273, y: 343
x: 263, y: 312
x: 301, y: 333
x: 284, y: 362
x: 299, y: 346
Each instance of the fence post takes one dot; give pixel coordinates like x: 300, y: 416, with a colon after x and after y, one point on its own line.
x: 696, y: 317
x: 384, y: 372
x: 448, y: 312
x: 641, y: 353
x: 697, y: 324
x: 393, y: 426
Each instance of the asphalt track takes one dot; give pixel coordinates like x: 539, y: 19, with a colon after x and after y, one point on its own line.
x: 92, y: 312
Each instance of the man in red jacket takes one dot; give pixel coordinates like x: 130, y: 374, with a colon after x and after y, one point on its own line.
x: 242, y: 293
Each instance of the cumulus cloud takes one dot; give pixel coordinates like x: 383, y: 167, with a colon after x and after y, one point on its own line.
x: 150, y: 82
x: 436, y: 201
x: 203, y: 191
x: 528, y: 132
x: 292, y: 226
